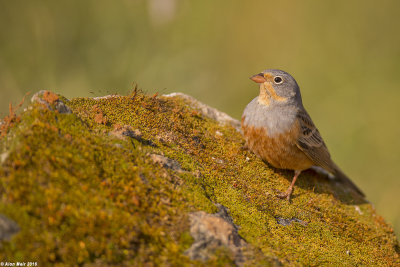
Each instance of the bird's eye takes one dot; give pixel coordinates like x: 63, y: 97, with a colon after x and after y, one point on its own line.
x: 278, y: 80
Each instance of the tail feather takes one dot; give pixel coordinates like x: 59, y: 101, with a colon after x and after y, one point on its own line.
x: 346, y: 180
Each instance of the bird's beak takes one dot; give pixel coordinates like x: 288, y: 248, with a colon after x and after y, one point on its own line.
x: 258, y: 78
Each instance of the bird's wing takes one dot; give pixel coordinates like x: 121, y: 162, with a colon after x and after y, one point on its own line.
x: 311, y: 143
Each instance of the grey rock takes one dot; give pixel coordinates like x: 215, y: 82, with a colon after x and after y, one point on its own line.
x: 166, y: 162
x: 59, y: 105
x: 105, y: 97
x: 127, y: 131
x: 287, y: 222
x: 212, y: 231
x: 8, y: 228
x: 208, y: 111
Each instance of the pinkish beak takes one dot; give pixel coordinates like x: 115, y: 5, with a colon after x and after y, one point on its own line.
x: 258, y: 78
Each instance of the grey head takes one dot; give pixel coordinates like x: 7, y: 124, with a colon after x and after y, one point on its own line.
x: 278, y: 103
x: 277, y: 87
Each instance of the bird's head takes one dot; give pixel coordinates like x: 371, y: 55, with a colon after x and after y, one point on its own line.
x: 277, y: 86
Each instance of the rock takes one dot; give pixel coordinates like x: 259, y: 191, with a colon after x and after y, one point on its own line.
x: 51, y: 101
x: 286, y: 222
x: 88, y: 199
x: 105, y: 97
x: 166, y: 162
x: 208, y: 111
x: 121, y: 132
x: 4, y: 156
x: 210, y: 232
x: 8, y: 228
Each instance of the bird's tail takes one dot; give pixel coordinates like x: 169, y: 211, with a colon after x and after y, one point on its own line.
x: 346, y: 180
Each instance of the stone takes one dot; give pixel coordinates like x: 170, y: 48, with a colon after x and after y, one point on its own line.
x: 51, y: 101
x: 211, y: 231
x: 208, y: 111
x: 166, y: 162
x: 8, y: 228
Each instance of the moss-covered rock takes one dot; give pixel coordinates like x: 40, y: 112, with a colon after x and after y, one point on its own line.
x: 120, y: 180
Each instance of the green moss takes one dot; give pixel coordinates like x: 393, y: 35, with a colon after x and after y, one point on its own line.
x: 82, y: 195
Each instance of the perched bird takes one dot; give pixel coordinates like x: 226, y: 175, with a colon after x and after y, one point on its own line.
x: 279, y: 130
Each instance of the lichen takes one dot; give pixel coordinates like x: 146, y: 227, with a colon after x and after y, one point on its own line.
x: 83, y: 195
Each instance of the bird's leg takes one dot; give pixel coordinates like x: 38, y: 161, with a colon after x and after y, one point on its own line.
x: 289, y: 191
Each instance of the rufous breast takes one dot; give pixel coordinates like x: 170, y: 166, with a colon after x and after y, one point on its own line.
x: 280, y: 150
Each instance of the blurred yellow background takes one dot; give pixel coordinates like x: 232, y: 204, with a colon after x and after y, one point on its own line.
x: 345, y: 56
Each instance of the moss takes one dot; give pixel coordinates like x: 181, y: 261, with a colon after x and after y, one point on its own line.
x: 82, y: 195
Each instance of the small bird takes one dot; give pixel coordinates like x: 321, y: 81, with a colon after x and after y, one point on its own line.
x: 279, y: 130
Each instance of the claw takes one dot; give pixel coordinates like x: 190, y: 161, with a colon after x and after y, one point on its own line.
x: 289, y: 191
x: 287, y: 194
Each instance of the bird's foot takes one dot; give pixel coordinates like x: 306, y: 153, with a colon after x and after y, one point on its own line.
x: 287, y: 194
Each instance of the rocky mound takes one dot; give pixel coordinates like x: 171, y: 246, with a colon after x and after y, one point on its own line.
x: 137, y: 179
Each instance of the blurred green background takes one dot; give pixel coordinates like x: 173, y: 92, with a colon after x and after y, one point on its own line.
x: 344, y: 54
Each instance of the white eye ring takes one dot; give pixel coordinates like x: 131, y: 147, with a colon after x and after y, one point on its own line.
x: 278, y: 80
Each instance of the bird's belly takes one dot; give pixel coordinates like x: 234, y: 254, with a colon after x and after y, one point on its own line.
x: 280, y: 151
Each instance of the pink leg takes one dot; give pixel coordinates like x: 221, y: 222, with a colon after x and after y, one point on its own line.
x: 289, y: 191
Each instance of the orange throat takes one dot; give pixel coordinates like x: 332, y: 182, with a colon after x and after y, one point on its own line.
x: 267, y: 92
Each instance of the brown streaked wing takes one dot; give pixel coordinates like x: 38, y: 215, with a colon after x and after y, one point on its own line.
x: 311, y: 143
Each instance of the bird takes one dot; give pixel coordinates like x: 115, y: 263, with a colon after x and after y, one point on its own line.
x: 278, y: 129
